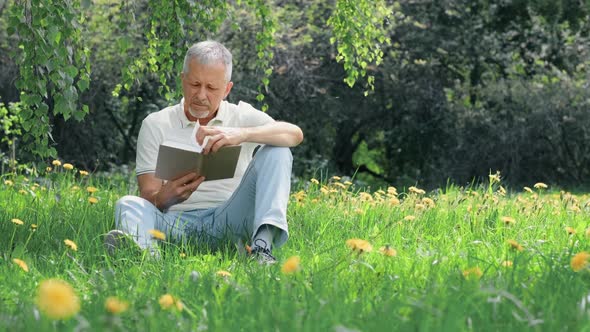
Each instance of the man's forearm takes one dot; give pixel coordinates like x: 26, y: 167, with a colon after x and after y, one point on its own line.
x: 276, y: 133
x: 152, y: 197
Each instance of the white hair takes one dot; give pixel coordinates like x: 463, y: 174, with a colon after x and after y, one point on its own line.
x: 209, y: 52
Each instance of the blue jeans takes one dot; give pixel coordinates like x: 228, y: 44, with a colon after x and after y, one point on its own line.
x: 260, y: 199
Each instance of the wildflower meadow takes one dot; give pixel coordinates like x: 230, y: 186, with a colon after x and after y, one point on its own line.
x: 462, y: 258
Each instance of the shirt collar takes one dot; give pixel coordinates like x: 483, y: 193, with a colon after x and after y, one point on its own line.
x: 221, y: 116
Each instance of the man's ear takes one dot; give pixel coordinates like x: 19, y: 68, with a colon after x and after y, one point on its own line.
x: 228, y: 87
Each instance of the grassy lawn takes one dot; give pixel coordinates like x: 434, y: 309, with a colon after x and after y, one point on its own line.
x: 479, y: 259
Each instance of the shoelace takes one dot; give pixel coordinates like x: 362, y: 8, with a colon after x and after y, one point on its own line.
x: 262, y: 249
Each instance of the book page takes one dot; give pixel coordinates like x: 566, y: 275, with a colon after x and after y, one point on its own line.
x: 194, y: 137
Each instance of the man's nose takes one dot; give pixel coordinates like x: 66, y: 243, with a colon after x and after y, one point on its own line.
x: 201, y: 92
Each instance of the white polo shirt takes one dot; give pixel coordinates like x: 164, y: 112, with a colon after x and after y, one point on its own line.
x: 171, y: 121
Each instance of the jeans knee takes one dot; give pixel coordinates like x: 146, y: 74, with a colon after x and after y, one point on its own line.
x: 276, y: 153
x: 126, y: 203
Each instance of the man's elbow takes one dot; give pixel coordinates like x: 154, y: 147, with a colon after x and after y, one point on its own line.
x: 298, y: 136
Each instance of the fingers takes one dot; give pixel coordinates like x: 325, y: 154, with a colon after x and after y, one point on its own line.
x: 184, y: 179
x: 205, y: 131
x: 195, y: 184
x: 215, y: 142
x: 189, y: 188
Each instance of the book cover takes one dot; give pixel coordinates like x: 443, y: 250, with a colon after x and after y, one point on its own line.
x: 176, y: 159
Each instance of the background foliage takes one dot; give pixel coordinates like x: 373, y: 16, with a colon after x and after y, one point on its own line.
x: 448, y: 89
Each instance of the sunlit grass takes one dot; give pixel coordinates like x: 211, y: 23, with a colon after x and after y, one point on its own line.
x: 477, y: 258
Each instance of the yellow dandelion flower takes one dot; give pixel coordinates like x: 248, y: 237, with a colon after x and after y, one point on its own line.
x: 391, y: 190
x: 365, y: 196
x: 340, y: 185
x: 115, y: 306
x: 515, y: 245
x: 508, y: 220
x: 388, y: 251
x: 75, y: 188
x: 92, y: 200
x: 168, y: 301
x: 56, y: 163
x: 502, y: 191
x: 420, y: 62
x: 580, y: 261
x: 22, y: 191
x: 291, y: 265
x: 71, y: 244
x: 420, y: 207
x: 91, y: 189
x: 410, y: 218
x: 48, y: 169
x: 540, y: 185
x: 359, y: 245
x: 314, y: 181
x: 299, y: 196
x: 429, y: 202
x: 68, y: 166
x: 416, y: 190
x: 347, y: 183
x: 8, y: 183
x: 83, y: 173
x: 336, y: 178
x: 472, y: 273
x: 222, y: 273
x: 324, y: 190
x: 179, y: 305
x: 570, y: 230
x: 315, y: 200
x: 156, y: 234
x: 393, y: 201
x: 57, y: 299
x: 507, y: 263
x: 528, y: 190
x: 21, y: 264
x: 17, y: 221
x: 182, y: 255
x: 34, y: 226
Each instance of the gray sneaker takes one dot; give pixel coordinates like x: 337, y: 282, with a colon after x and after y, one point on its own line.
x: 261, y: 252
x: 117, y: 240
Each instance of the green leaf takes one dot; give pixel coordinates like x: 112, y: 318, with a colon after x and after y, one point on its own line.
x: 83, y: 84
x: 60, y: 104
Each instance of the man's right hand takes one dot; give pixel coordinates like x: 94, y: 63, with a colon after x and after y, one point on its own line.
x: 165, y: 194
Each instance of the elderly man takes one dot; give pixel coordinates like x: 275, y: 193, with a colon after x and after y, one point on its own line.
x: 251, y: 206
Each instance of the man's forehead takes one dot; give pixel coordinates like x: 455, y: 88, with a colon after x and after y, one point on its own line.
x: 209, y: 72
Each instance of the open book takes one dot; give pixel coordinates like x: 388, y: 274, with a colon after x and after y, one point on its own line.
x: 176, y: 159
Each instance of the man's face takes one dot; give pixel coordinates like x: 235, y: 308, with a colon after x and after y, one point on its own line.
x: 204, y: 87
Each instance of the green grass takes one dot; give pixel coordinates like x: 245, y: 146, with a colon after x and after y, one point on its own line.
x: 422, y: 288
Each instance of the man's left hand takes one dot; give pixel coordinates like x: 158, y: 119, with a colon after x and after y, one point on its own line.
x: 219, y: 137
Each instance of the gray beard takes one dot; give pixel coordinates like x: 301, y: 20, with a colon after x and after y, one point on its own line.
x: 198, y: 114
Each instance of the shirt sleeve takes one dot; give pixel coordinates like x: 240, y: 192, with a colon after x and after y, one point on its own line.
x: 148, y: 143
x: 251, y: 117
